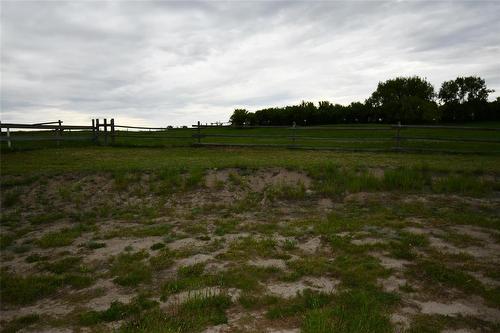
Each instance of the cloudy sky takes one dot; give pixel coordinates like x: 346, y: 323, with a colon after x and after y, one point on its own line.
x: 160, y: 63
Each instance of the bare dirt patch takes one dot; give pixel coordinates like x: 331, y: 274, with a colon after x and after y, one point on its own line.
x: 266, y: 263
x: 460, y: 307
x: 389, y: 262
x: 115, y: 246
x: 291, y: 289
x: 112, y: 293
x: 311, y: 246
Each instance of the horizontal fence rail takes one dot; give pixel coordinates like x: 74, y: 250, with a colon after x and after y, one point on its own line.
x: 297, y: 141
x: 397, y: 137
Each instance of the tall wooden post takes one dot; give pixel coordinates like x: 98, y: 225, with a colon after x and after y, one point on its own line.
x: 112, y: 130
x: 9, y: 143
x: 97, y: 130
x: 59, y: 132
x: 93, y: 130
x: 105, y: 131
x: 293, y: 133
x: 199, y: 133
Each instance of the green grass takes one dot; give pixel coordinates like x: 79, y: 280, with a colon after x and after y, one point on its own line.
x: 162, y: 176
x: 194, y: 315
x: 378, y: 139
x: 307, y: 300
x: 63, y: 265
x: 438, y: 274
x: 129, y: 269
x: 117, y: 311
x: 407, y: 242
x: 93, y: 245
x: 355, y: 311
x: 146, y: 231
x: 6, y: 240
x: 11, y: 197
x: 285, y: 192
x: 63, y: 237
x: 157, y: 246
x: 317, y: 266
x: 20, y: 323
x: 247, y: 247
x: 16, y: 289
x: 253, y: 301
x: 113, y: 159
x: 46, y: 218
x: 462, y: 184
x: 244, y: 277
x: 225, y: 226
x: 406, y: 179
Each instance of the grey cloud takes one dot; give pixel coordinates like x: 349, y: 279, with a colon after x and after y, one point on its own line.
x: 179, y: 62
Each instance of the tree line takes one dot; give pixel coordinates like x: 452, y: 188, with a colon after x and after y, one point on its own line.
x: 409, y: 100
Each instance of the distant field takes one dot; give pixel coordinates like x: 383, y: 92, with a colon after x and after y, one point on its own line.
x: 197, y: 239
x: 381, y: 138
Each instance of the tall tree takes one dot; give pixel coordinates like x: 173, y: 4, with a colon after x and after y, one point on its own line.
x: 402, y: 99
x: 465, y: 98
x: 239, y: 117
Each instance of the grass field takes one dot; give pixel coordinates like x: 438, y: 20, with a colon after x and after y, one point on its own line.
x: 183, y: 239
x: 333, y: 136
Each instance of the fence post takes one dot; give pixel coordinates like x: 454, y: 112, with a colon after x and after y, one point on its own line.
x: 199, y: 133
x: 93, y: 129
x: 293, y: 133
x: 105, y: 131
x: 97, y: 130
x: 398, y: 137
x: 59, y: 132
x: 9, y: 143
x: 112, y: 130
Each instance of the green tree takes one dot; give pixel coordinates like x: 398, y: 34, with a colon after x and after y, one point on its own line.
x: 465, y: 98
x: 463, y: 90
x: 239, y: 117
x: 402, y: 99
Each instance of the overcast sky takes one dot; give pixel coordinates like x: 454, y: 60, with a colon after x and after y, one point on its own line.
x: 162, y: 63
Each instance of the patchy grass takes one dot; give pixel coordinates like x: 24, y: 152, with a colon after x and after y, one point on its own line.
x: 146, y: 231
x: 250, y: 247
x: 437, y: 274
x: 46, y: 218
x: 400, y: 192
x: 251, y: 300
x: 285, y: 191
x: 11, y: 197
x: 307, y: 300
x: 6, y: 240
x: 63, y: 237
x: 407, y: 242
x: 464, y: 184
x: 16, y: 289
x: 64, y: 265
x: 129, y: 268
x: 353, y: 311
x: 334, y: 180
x: 407, y: 179
x: 193, y: 315
x: 225, y: 226
x: 21, y: 323
x: 117, y: 311
x: 316, y: 266
x: 93, y: 245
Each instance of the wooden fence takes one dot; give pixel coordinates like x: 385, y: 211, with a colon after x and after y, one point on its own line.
x: 299, y: 134
x: 294, y: 137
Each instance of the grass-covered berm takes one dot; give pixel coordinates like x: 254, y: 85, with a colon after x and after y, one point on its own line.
x: 102, y: 239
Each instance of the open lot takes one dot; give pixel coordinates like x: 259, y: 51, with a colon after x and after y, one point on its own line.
x: 98, y: 239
